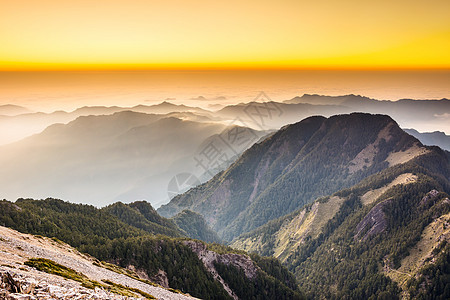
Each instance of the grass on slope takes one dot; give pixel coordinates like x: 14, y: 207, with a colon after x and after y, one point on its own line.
x: 51, y: 267
x: 423, y: 252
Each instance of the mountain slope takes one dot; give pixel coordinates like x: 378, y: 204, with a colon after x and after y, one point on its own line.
x: 301, y: 162
x: 381, y: 237
x: 140, y: 214
x: 426, y: 115
x: 188, y: 265
x: 195, y: 226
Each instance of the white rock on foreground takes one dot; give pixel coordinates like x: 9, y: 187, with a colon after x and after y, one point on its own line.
x: 16, y: 248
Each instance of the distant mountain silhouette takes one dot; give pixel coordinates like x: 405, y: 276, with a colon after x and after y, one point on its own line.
x: 14, y: 128
x: 101, y: 159
x: 436, y: 138
x: 13, y: 110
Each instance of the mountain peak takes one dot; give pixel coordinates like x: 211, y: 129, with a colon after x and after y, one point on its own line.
x: 333, y: 153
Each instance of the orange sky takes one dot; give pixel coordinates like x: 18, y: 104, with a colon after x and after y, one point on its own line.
x: 200, y: 34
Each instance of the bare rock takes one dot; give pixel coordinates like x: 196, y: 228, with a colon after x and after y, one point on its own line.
x: 373, y: 223
x: 429, y: 197
x: 161, y: 279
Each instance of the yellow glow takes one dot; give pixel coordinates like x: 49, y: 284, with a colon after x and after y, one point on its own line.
x: 201, y: 34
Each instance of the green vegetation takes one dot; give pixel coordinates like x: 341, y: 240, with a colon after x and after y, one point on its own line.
x: 195, y: 226
x: 349, y: 253
x: 223, y: 249
x: 119, y: 287
x: 263, y: 287
x: 51, y: 267
x: 275, y: 269
x: 141, y: 214
x: 433, y: 281
x: 335, y: 264
x: 109, y: 237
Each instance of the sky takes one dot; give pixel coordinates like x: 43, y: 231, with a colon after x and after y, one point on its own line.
x: 233, y: 34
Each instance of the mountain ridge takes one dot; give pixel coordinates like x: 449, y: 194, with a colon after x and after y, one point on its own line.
x: 295, y: 159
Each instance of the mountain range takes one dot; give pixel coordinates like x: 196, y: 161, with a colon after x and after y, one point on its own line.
x: 354, y: 206
x: 301, y: 162
x: 18, y: 122
x: 125, y: 156
x: 347, y: 206
x: 425, y: 115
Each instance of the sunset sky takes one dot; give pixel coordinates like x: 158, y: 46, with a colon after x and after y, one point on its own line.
x: 200, y: 34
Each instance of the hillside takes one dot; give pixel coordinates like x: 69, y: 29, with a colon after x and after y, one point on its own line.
x: 386, y: 236
x: 195, y: 226
x: 301, y: 162
x: 128, y: 236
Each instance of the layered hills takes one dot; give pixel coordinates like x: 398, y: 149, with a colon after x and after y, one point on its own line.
x: 349, y: 206
x: 125, y: 156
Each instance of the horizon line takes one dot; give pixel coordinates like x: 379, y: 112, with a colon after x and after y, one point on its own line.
x: 212, y: 67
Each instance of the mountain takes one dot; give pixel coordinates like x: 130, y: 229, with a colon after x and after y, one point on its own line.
x: 329, y: 100
x: 363, y: 208
x: 13, y: 110
x: 301, y: 162
x: 167, y: 107
x: 436, y: 138
x: 142, y: 215
x: 422, y: 114
x: 16, y: 127
x: 125, y: 156
x: 426, y: 115
x: 195, y: 226
x: 274, y: 115
x: 387, y: 236
x: 110, y: 235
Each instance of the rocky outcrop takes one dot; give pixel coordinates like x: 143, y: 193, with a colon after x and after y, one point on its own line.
x: 27, y: 287
x: 209, y: 258
x: 161, y: 279
x: 429, y: 197
x: 373, y: 223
